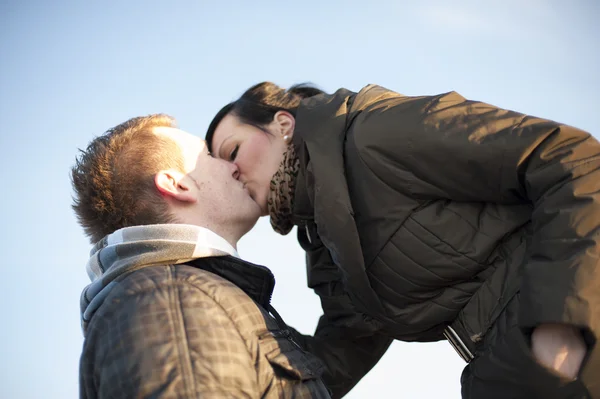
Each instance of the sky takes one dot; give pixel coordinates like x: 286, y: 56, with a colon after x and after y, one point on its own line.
x: 69, y: 70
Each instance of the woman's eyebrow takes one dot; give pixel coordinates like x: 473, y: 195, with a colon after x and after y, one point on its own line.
x: 220, y: 152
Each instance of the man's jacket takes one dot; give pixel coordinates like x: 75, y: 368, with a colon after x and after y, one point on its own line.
x: 168, y: 316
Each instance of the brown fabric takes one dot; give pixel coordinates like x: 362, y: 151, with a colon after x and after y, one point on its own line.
x: 280, y: 200
x: 506, y: 368
x: 437, y: 210
x: 182, y: 332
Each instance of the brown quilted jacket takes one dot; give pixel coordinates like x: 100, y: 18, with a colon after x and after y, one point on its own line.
x: 422, y: 212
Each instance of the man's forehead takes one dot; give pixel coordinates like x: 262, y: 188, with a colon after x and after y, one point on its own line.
x: 184, y: 138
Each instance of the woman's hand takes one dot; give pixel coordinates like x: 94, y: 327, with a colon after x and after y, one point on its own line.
x: 559, y: 347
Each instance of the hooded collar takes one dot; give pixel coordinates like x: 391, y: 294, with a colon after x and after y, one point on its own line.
x: 133, y: 248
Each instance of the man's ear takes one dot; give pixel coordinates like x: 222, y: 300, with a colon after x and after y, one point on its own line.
x: 175, y: 185
x: 285, y: 123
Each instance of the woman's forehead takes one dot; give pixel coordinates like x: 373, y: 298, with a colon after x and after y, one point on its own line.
x: 229, y: 127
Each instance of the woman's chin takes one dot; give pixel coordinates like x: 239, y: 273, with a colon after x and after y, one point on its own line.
x: 262, y: 204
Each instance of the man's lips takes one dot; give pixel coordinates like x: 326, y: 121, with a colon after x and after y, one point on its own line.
x: 246, y: 189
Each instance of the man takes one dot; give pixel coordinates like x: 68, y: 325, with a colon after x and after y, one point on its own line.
x: 172, y: 311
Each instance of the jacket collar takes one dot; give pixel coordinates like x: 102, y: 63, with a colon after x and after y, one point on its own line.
x: 322, y: 194
x: 136, y: 247
x: 256, y: 281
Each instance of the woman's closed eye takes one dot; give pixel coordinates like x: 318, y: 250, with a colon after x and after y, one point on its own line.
x: 234, y: 153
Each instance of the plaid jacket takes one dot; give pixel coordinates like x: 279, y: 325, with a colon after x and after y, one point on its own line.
x: 196, y: 330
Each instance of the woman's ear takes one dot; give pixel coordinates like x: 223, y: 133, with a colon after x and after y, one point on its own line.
x: 284, y: 124
x: 175, y: 185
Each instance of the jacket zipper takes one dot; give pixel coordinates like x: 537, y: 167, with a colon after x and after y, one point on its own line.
x: 307, y: 232
x: 283, y: 331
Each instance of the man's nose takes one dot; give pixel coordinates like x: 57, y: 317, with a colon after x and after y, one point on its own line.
x: 235, y: 171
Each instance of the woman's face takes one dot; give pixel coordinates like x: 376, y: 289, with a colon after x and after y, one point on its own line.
x: 256, y: 153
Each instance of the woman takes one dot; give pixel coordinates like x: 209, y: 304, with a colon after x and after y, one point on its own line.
x: 434, y: 216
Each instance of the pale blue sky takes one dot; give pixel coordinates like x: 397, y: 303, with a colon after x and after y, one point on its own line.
x: 69, y: 70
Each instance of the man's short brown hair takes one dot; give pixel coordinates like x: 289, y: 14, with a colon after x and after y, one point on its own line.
x: 113, y: 178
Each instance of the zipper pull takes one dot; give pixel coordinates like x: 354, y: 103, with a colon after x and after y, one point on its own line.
x: 307, y: 232
x: 288, y: 335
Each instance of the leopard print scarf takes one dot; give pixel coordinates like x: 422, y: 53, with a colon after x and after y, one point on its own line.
x: 280, y: 202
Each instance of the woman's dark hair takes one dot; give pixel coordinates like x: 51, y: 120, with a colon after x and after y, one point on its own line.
x: 259, y: 104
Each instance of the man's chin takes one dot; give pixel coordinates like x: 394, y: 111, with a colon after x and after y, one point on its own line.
x: 249, y: 225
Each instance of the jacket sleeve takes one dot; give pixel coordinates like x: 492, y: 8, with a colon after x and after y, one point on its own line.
x: 171, y: 341
x: 346, y: 360
x: 448, y: 147
x: 350, y: 345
